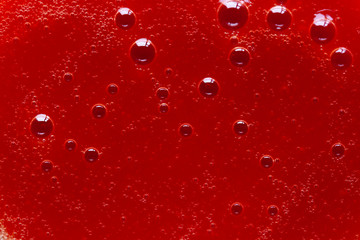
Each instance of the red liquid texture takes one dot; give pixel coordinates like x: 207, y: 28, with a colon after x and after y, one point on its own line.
x: 133, y: 172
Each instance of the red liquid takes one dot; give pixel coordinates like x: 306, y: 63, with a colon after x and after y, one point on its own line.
x: 135, y: 173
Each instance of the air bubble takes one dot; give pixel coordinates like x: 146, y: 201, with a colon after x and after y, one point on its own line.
x: 125, y: 18
x: 46, y: 165
x: 163, y: 108
x: 237, y: 208
x: 112, y: 88
x: 91, y: 154
x: 41, y: 125
x: 185, y: 129
x: 266, y: 161
x: 70, y: 145
x: 341, y: 58
x: 162, y: 93
x: 232, y: 15
x: 239, y: 57
x: 208, y: 87
x: 338, y: 150
x: 279, y: 18
x: 168, y: 71
x: 273, y: 210
x: 98, y: 111
x: 142, y: 51
x: 322, y: 30
x: 68, y: 77
x: 240, y: 127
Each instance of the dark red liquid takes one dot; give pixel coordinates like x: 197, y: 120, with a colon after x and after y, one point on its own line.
x: 179, y: 166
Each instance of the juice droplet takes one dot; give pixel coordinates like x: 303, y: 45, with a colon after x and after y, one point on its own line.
x: 142, y: 51
x: 240, y: 127
x: 112, y: 88
x: 279, y: 18
x: 322, y: 30
x: 237, y: 208
x: 91, y: 154
x: 98, y: 111
x: 273, y: 210
x: 162, y: 93
x: 68, y: 77
x: 70, y: 144
x: 239, y: 57
x: 41, y: 125
x: 208, y: 87
x: 341, y: 58
x: 125, y: 18
x: 163, y: 108
x: 266, y: 161
x: 185, y: 129
x: 46, y: 165
x: 338, y: 150
x: 232, y: 15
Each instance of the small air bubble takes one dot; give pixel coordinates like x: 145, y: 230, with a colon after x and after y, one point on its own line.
x: 41, y: 125
x: 208, y: 87
x: 273, y: 210
x: 234, y: 40
x: 239, y: 57
x: 185, y: 129
x: 168, y: 71
x: 237, y: 208
x: 68, y: 77
x: 162, y: 93
x: 338, y: 150
x: 112, y: 88
x: 341, y: 58
x: 125, y: 18
x: 232, y: 15
x: 91, y: 155
x: 142, y: 51
x: 279, y: 18
x: 98, y: 111
x: 163, y: 108
x: 240, y: 127
x: 46, y: 165
x: 70, y: 144
x: 322, y: 30
x: 266, y: 161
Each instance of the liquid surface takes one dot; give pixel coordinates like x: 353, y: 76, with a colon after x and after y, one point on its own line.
x: 172, y: 165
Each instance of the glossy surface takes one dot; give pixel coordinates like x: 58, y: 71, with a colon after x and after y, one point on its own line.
x: 143, y: 179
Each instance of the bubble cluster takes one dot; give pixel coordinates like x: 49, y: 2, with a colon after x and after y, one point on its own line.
x: 239, y: 57
x: 237, y: 208
x: 240, y: 127
x: 98, y: 111
x: 91, y: 154
x: 125, y: 18
x: 279, y: 18
x: 232, y: 15
x: 338, y: 150
x: 46, y: 165
x: 266, y: 161
x: 208, y: 87
x: 70, y: 144
x: 185, y: 129
x: 41, y: 125
x: 341, y: 58
x: 162, y: 93
x: 273, y: 210
x: 142, y: 51
x: 112, y: 88
x: 163, y: 108
x: 322, y: 30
